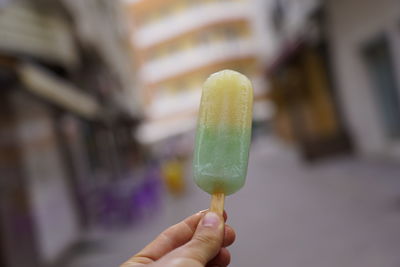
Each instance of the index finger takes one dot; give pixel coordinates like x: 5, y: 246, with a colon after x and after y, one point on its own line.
x: 173, y: 237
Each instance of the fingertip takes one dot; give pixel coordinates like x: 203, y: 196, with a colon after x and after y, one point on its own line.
x: 202, y: 212
x: 223, y: 258
x: 225, y: 215
x: 229, y: 236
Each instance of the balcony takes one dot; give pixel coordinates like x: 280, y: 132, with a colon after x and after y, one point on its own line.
x: 26, y: 31
x: 185, y: 61
x: 188, y: 101
x: 193, y: 18
x: 176, y: 104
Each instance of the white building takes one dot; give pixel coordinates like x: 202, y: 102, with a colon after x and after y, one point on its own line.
x: 178, y: 44
x: 365, y: 39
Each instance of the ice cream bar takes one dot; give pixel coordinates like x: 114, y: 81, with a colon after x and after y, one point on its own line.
x: 223, y: 133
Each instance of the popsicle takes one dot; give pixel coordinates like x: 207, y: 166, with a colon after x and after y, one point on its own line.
x: 223, y: 135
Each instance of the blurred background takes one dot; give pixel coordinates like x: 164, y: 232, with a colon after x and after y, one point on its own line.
x: 98, y: 110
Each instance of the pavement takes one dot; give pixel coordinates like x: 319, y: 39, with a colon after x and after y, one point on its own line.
x: 338, y: 212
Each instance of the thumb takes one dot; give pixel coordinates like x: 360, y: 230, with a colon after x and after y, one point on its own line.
x: 205, y: 243
x: 207, y: 240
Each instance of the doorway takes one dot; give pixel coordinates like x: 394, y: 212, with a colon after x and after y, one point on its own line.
x: 378, y: 59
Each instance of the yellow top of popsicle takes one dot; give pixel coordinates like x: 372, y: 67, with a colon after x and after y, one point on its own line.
x: 224, y: 89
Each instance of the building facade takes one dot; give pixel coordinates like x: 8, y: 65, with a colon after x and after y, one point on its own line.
x: 334, y: 71
x: 66, y: 122
x: 302, y: 88
x: 178, y: 44
x: 364, y: 39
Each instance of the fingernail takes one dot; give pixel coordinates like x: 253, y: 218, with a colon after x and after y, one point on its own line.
x: 202, y: 211
x: 211, y: 219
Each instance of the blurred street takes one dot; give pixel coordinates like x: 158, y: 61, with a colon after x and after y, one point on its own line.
x: 342, y: 212
x: 101, y: 100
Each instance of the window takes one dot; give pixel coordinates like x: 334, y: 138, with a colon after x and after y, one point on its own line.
x: 181, y: 86
x: 230, y: 33
x: 203, y: 38
x: 192, y: 2
x: 378, y: 59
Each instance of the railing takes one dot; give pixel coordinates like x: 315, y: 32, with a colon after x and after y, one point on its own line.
x: 193, y: 18
x: 25, y: 31
x: 202, y: 55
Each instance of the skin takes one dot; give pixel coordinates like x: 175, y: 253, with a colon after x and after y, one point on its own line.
x: 194, y: 242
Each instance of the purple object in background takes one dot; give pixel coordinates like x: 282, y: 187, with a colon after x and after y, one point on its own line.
x: 147, y: 196
x: 130, y: 200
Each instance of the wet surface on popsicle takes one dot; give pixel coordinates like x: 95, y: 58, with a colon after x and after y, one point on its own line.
x: 223, y: 133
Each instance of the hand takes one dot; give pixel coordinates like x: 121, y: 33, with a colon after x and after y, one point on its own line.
x: 197, y: 241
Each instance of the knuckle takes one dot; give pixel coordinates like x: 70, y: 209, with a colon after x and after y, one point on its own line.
x: 210, y: 240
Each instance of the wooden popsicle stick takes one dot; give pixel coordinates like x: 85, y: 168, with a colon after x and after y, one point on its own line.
x: 217, y: 203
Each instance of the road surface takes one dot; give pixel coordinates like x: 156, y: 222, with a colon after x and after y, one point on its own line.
x: 340, y: 212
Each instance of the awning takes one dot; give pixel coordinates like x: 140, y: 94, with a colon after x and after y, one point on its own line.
x: 60, y: 92
x: 287, y: 51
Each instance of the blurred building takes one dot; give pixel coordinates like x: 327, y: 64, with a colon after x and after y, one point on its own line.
x: 178, y: 44
x: 364, y: 37
x: 335, y: 75
x: 68, y: 111
x: 307, y: 113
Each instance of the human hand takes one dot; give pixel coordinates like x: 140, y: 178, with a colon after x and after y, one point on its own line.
x: 199, y: 240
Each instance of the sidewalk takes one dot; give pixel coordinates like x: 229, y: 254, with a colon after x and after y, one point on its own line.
x: 340, y: 212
